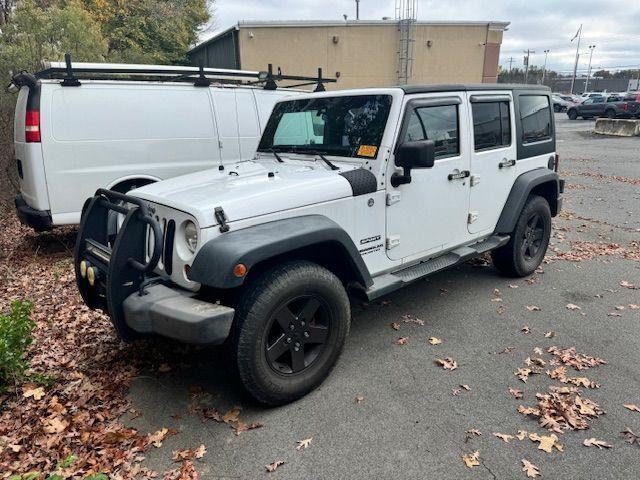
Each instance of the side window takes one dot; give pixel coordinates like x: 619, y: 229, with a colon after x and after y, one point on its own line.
x: 491, y: 125
x: 298, y: 128
x: 535, y: 116
x: 437, y: 123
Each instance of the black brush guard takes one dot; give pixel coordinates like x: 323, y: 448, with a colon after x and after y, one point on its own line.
x: 118, y: 260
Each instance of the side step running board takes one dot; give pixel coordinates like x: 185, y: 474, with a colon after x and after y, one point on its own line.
x: 392, y: 281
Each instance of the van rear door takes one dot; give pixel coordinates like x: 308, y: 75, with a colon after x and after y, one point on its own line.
x: 28, y: 148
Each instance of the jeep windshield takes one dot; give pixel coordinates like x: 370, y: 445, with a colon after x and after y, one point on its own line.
x: 344, y: 126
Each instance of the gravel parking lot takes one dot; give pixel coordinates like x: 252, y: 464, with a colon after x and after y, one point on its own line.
x: 388, y: 411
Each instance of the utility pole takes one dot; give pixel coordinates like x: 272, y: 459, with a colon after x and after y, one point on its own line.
x: 510, y: 63
x: 586, y: 85
x: 544, y: 68
x: 578, y: 35
x: 526, y: 64
x: 357, y: 9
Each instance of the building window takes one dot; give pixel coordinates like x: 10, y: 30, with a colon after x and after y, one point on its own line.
x: 437, y: 123
x: 535, y: 115
x: 491, y: 125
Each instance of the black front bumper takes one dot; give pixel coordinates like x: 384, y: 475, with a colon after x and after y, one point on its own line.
x: 39, y: 220
x: 123, y: 284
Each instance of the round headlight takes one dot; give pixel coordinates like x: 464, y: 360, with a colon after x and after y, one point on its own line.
x: 191, y: 236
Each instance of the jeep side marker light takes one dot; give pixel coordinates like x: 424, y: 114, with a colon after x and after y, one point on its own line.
x: 240, y: 270
x: 83, y: 269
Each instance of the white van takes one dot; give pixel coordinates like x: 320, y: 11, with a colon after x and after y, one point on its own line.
x: 75, y: 134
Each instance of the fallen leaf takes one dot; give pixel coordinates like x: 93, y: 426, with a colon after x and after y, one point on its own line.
x: 634, y: 306
x: 572, y: 306
x: 525, y: 329
x: 472, y: 459
x: 626, y: 284
x: 55, y: 425
x: 455, y: 392
x: 504, y: 437
x: 620, y: 307
x: 523, y: 374
x: 538, y: 351
x: 513, y: 286
x: 522, y: 434
x: 31, y: 390
x: 302, y: 444
x: 158, y: 437
x: 181, y: 455
x: 592, y: 442
x: 448, y: 363
x: 631, y: 437
x: 434, y: 341
x: 232, y: 415
x: 466, y: 387
x: 547, y: 442
x: 164, y: 368
x: 614, y: 314
x: 395, y: 326
x: 240, y: 427
x: 632, y: 407
x: 530, y: 469
x: 532, y: 308
x: 516, y: 393
x: 272, y: 466
x: 402, y: 341
x: 549, y: 334
x: 359, y: 398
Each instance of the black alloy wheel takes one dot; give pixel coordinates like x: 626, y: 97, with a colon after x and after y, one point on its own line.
x: 297, y: 334
x: 532, y: 237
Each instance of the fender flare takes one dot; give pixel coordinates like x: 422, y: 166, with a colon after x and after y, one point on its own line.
x: 214, y: 262
x: 520, y: 191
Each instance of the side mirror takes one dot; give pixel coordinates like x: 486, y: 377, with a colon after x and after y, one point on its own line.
x: 409, y: 155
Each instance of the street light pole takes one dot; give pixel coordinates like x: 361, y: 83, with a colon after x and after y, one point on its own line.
x: 578, y: 35
x: 586, y: 85
x: 544, y: 68
x: 526, y: 61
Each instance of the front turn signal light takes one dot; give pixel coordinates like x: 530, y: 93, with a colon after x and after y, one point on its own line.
x: 83, y: 269
x: 91, y: 275
x: 240, y: 270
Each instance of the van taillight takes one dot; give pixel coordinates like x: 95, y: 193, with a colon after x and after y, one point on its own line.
x: 32, y: 126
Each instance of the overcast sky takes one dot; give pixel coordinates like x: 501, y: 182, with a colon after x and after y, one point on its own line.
x: 612, y: 25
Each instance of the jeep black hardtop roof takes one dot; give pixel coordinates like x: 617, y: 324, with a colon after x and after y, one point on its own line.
x: 470, y: 87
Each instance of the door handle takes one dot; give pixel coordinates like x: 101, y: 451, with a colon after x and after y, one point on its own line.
x: 459, y: 175
x: 506, y: 163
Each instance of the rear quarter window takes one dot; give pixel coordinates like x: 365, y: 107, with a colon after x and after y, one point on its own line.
x: 535, y: 116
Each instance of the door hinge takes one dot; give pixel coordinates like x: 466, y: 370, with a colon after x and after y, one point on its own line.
x: 220, y: 144
x: 392, y: 198
x: 475, y: 180
x: 393, y: 242
x: 473, y: 216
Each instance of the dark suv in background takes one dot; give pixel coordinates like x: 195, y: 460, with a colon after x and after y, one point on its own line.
x: 614, y: 106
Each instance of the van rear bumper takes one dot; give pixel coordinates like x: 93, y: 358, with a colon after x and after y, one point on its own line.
x: 39, y: 220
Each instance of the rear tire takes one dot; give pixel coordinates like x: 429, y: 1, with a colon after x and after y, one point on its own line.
x: 290, y: 327
x: 529, y: 240
x: 572, y: 114
x: 610, y: 113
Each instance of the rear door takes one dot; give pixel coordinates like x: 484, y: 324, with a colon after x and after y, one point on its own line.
x: 493, y: 158
x: 248, y: 125
x: 227, y: 118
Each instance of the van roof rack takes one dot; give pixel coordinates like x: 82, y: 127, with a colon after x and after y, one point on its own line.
x: 72, y: 74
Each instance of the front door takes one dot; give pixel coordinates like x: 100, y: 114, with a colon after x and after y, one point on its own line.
x: 429, y: 214
x: 493, y: 159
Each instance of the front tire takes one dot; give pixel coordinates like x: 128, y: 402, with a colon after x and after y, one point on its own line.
x: 290, y: 327
x: 572, y: 114
x: 529, y: 240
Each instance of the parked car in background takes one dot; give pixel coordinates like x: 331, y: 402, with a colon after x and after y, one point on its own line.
x: 561, y: 103
x: 611, y: 107
x: 112, y: 129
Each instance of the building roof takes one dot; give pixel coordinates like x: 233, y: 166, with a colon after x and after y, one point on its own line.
x: 469, y: 87
x: 493, y: 25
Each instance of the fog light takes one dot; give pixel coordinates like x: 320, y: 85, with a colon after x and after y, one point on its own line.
x: 83, y: 269
x: 240, y: 270
x: 91, y: 275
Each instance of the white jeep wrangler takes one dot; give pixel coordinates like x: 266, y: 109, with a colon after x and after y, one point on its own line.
x: 361, y: 191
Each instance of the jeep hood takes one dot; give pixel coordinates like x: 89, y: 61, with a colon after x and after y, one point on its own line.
x: 248, y: 189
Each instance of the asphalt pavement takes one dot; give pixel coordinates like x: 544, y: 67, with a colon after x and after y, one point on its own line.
x: 408, y: 423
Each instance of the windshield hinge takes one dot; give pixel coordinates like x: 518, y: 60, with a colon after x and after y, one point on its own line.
x: 393, y: 241
x: 221, y: 218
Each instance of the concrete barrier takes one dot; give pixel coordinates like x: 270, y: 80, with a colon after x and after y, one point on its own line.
x: 618, y: 127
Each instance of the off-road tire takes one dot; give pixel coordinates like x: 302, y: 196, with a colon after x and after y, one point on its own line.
x: 572, y: 114
x: 263, y: 297
x: 511, y: 258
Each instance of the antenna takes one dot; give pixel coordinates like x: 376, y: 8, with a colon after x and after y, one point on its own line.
x: 357, y: 9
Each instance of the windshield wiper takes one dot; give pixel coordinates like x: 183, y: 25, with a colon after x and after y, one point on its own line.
x: 275, y: 154
x: 325, y: 160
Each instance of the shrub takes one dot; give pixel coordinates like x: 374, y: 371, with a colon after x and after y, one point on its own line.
x: 15, y: 337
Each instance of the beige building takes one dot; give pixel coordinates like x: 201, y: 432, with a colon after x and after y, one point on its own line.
x: 361, y: 53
